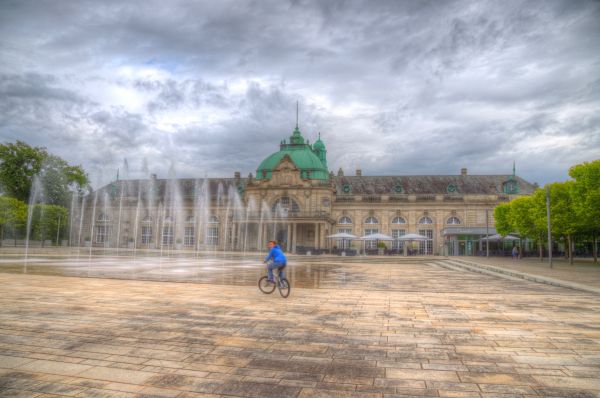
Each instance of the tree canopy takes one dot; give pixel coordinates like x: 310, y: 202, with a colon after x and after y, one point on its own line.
x: 21, y: 163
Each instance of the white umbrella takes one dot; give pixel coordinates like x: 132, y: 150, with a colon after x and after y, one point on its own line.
x: 411, y: 237
x: 498, y: 237
x: 341, y: 235
x: 376, y: 237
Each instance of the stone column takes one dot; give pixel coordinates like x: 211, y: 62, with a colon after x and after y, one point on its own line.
x: 316, y: 235
x: 295, y: 237
x: 289, y: 237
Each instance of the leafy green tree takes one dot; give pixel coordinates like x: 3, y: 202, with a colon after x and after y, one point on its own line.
x: 502, y: 219
x: 528, y: 217
x: 586, y: 200
x: 20, y: 163
x: 49, y: 222
x: 562, y: 214
x: 13, y: 213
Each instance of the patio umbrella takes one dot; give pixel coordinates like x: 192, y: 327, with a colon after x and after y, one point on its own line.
x: 411, y: 238
x: 376, y: 237
x: 498, y: 237
x: 343, y: 237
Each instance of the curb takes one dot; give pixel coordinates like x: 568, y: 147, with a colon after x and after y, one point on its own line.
x: 502, y: 272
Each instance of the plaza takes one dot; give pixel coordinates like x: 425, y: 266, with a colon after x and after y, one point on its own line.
x: 351, y: 328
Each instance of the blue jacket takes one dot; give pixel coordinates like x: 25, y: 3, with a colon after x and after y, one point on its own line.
x: 276, y: 255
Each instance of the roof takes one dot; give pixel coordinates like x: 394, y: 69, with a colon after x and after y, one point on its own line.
x: 451, y: 184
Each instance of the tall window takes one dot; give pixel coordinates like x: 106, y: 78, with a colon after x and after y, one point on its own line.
x: 102, y: 233
x: 453, y: 221
x: 345, y: 220
x: 146, y: 235
x: 213, y: 220
x: 398, y: 220
x: 212, y: 236
x: 371, y: 220
x: 103, y: 217
x: 426, y: 247
x: 397, y: 244
x: 371, y: 244
x: 167, y: 235
x: 344, y: 243
x: 188, y: 236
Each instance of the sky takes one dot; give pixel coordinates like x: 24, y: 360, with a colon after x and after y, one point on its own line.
x: 399, y: 87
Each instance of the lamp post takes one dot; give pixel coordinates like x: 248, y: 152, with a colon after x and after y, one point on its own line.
x: 549, y: 226
x: 487, y: 234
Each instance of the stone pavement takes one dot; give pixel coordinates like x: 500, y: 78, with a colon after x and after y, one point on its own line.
x: 582, y: 271
x: 381, y: 329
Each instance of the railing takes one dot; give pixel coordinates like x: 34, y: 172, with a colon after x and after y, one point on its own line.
x: 398, y: 198
x: 453, y: 198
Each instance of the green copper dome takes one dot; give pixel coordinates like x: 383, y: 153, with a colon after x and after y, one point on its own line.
x: 302, y: 155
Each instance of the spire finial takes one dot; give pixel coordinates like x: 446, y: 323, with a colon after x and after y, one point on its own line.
x: 296, y: 113
x: 514, y: 174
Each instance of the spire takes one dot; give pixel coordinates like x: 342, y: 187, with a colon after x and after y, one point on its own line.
x: 514, y: 174
x: 296, y: 114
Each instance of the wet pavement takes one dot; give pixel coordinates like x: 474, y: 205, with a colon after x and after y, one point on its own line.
x: 352, y: 327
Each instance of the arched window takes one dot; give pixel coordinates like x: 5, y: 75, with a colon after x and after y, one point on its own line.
x: 345, y: 220
x: 425, y: 220
x: 286, y: 204
x: 371, y: 220
x: 213, y: 220
x: 398, y: 220
x: 103, y: 217
x: 453, y: 221
x: 190, y: 220
x: 147, y: 219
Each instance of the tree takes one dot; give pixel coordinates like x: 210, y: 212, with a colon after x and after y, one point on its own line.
x: 48, y: 222
x: 13, y: 213
x: 20, y: 163
x: 563, y: 217
x: 527, y: 216
x: 586, y: 200
x: 502, y: 219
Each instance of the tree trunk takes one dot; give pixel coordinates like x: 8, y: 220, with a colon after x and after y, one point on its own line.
x: 1, y: 234
x: 595, y: 248
x: 541, y: 249
x: 572, y: 249
x: 566, y: 245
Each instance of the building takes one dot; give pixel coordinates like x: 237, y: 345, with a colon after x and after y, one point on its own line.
x: 296, y: 200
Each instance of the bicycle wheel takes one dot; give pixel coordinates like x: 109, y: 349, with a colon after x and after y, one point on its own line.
x: 265, y: 286
x: 284, y: 287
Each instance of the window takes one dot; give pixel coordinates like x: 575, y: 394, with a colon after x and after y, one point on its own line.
x: 453, y: 221
x: 103, y: 217
x: 168, y: 219
x: 213, y: 220
x: 397, y: 244
x: 345, y: 220
x: 146, y: 235
x: 212, y: 236
x: 190, y: 220
x: 284, y: 205
x: 344, y: 243
x: 371, y: 220
x: 426, y: 247
x: 398, y: 220
x: 188, y: 236
x: 371, y: 244
x: 167, y: 235
x: 425, y: 220
x: 147, y: 219
x: 102, y: 233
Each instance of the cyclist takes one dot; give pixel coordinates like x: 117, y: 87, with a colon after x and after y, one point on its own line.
x: 278, y: 260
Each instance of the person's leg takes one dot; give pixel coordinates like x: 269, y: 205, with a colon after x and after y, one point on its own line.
x: 270, y: 269
x: 282, y: 271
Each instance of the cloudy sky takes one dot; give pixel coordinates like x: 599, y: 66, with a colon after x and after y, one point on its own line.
x: 394, y: 87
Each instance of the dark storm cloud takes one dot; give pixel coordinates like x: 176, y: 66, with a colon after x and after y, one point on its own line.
x: 411, y: 87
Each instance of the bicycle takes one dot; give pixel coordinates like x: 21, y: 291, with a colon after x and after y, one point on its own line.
x: 281, y: 283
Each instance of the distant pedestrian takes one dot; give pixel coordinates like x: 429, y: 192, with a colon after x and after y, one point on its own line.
x: 515, y: 253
